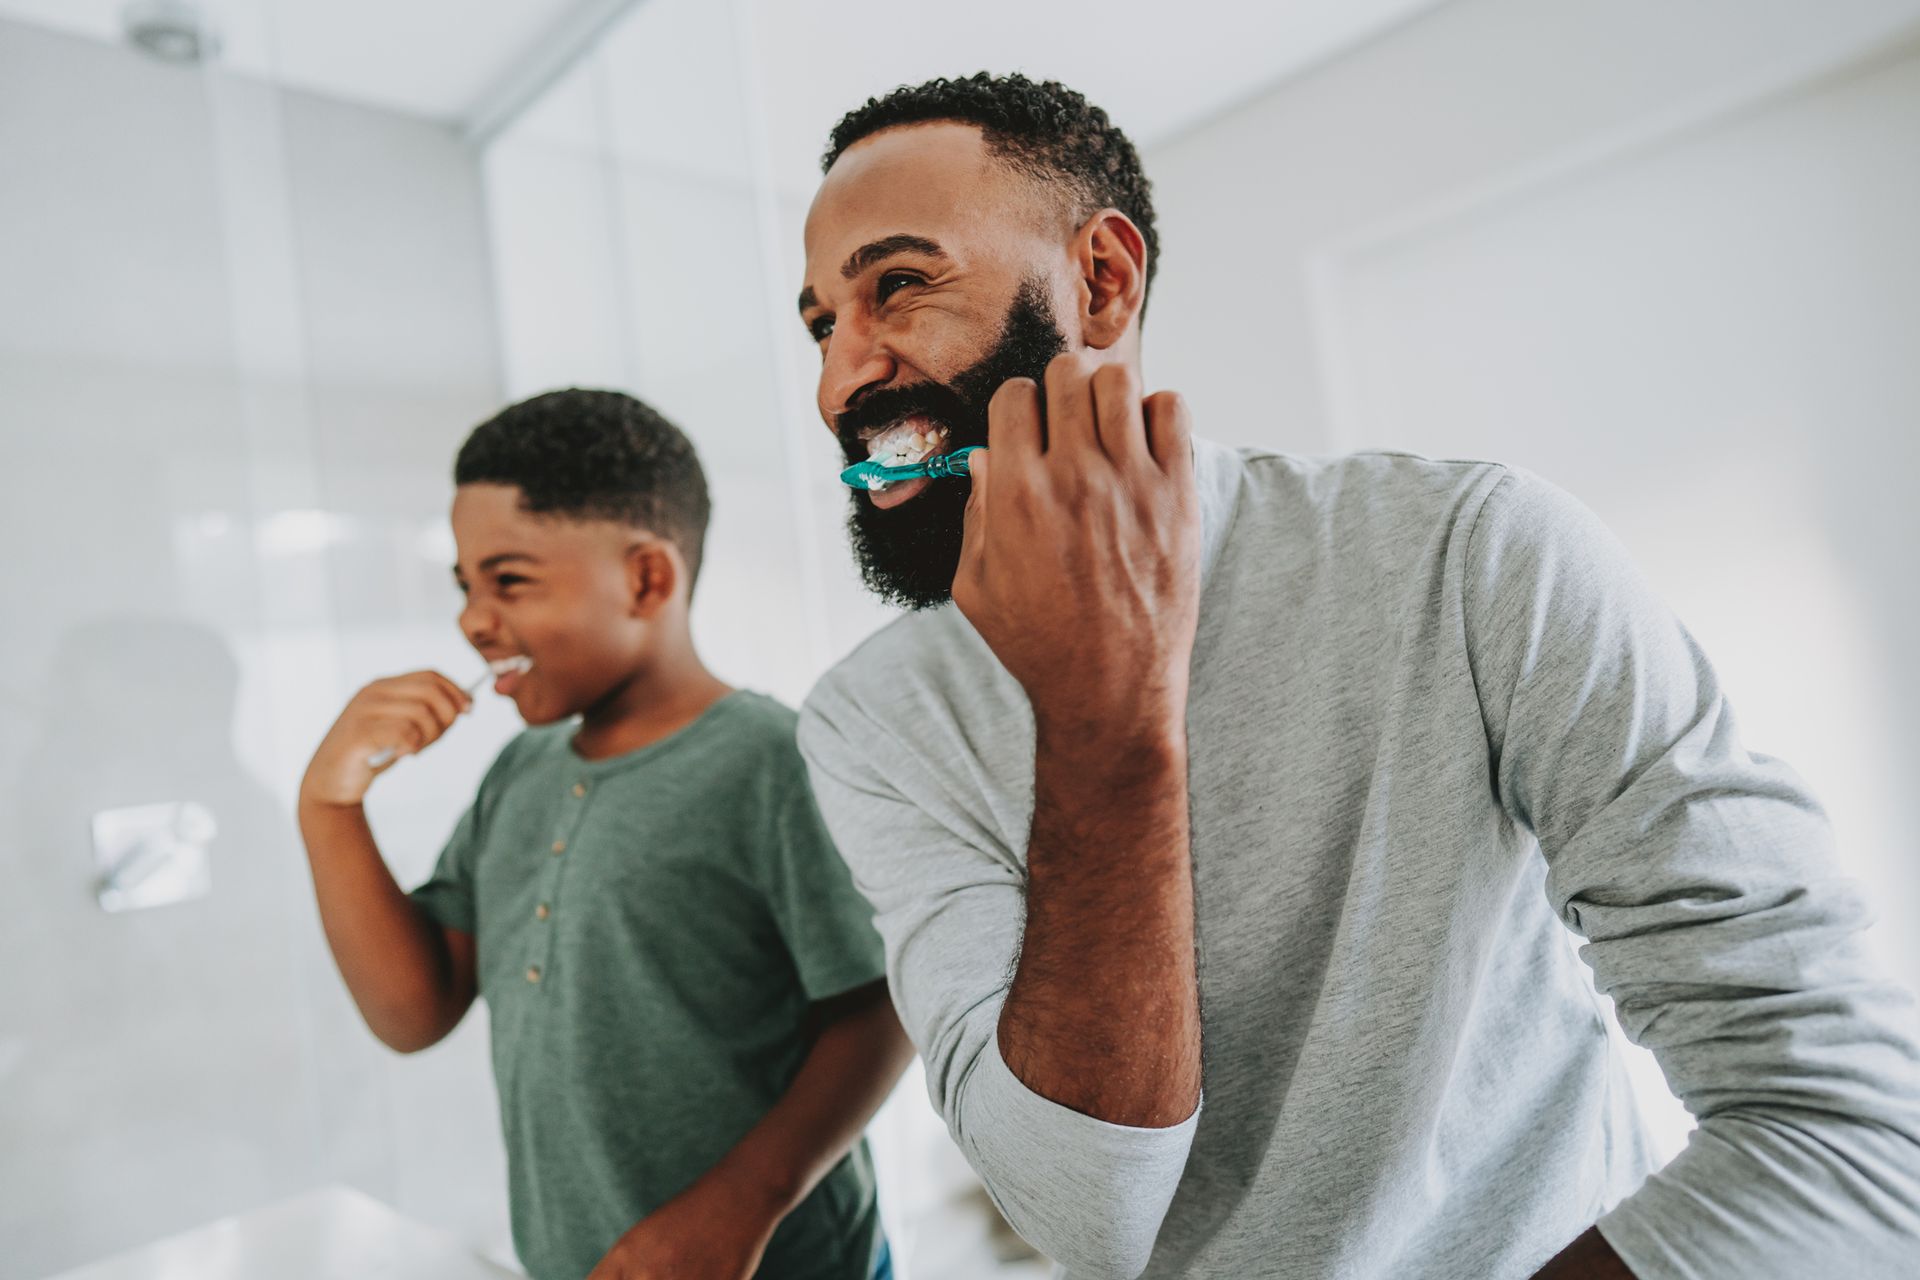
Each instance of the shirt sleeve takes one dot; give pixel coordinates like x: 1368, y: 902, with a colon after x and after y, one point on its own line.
x: 447, y: 894
x: 1704, y: 881
x: 825, y: 923
x: 950, y: 907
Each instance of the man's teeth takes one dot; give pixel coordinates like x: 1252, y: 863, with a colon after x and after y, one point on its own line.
x: 905, y: 445
x: 511, y: 666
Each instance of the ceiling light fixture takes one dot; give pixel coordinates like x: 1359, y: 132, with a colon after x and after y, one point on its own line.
x: 175, y: 31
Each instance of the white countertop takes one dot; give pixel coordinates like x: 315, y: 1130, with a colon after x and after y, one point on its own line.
x: 335, y: 1233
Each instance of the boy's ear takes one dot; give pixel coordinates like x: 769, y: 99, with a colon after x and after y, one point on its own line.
x: 653, y: 572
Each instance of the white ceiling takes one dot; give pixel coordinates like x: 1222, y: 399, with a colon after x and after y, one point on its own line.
x: 433, y: 58
x: 1157, y: 67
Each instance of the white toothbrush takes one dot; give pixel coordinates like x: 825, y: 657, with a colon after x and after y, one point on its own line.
x: 505, y: 666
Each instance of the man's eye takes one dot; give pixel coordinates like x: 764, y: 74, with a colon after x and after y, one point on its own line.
x: 891, y: 283
x: 821, y: 328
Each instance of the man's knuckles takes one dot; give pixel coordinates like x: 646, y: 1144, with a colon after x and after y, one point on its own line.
x: 1015, y: 404
x: 1116, y: 384
x: 1170, y: 403
x: 1069, y: 369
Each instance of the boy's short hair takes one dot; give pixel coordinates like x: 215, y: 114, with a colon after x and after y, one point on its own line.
x: 595, y: 455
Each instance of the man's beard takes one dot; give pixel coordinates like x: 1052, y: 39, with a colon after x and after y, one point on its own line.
x: 908, y: 555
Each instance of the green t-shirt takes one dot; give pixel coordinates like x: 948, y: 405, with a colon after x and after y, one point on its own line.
x: 651, y: 930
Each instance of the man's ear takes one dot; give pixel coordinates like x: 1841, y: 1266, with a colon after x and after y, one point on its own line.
x: 1112, y: 255
x: 653, y: 572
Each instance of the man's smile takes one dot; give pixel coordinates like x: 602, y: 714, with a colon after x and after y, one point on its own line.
x: 903, y: 444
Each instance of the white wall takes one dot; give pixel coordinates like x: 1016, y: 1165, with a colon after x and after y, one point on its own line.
x: 1663, y: 255
x: 241, y: 333
x: 1469, y: 95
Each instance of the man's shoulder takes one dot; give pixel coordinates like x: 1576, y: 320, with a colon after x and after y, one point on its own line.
x: 1367, y: 511
x: 1389, y: 499
x: 911, y: 678
x: 914, y: 645
x: 1376, y: 483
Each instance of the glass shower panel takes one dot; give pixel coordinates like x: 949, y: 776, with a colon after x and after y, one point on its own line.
x: 155, y: 1065
x: 241, y: 332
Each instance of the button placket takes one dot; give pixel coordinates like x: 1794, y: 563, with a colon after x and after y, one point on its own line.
x: 548, y: 901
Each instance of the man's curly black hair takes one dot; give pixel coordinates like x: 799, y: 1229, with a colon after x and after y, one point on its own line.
x: 595, y: 455
x: 1044, y: 130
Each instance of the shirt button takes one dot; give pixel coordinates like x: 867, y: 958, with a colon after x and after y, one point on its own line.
x: 559, y: 846
x: 533, y: 973
x: 579, y: 789
x: 541, y: 912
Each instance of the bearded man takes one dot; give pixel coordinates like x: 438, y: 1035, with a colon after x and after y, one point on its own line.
x: 1291, y: 778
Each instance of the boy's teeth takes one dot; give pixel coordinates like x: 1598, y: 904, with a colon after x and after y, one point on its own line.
x: 511, y: 666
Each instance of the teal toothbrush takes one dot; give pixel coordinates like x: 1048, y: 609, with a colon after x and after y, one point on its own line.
x: 862, y: 474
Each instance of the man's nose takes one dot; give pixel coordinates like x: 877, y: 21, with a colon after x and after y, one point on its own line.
x: 854, y: 363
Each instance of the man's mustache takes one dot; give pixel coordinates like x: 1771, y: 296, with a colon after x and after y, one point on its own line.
x: 878, y: 410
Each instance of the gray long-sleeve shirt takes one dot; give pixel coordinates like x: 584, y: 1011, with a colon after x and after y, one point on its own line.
x: 1436, y: 721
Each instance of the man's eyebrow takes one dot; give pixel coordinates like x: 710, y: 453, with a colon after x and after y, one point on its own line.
x: 875, y: 251
x: 868, y: 254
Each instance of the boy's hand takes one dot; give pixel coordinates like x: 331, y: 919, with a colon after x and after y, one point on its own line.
x: 707, y: 1232
x: 401, y: 714
x: 1080, y: 566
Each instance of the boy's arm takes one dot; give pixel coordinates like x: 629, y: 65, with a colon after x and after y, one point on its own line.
x: 412, y: 978
x: 719, y: 1226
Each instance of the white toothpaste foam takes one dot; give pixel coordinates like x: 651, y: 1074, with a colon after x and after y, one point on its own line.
x: 910, y: 443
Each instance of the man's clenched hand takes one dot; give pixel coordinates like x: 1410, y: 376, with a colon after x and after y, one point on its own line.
x: 1081, y: 561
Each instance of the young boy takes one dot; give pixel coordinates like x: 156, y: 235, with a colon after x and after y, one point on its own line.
x: 690, y: 1020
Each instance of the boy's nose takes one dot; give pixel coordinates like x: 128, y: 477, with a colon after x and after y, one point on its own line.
x: 478, y: 623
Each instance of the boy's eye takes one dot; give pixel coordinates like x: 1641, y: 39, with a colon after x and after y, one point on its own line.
x: 891, y: 283
x: 508, y: 580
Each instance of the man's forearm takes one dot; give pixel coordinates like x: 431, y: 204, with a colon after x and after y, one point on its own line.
x: 855, y: 1061
x: 1104, y: 1012
x: 1588, y: 1258
x: 395, y: 962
